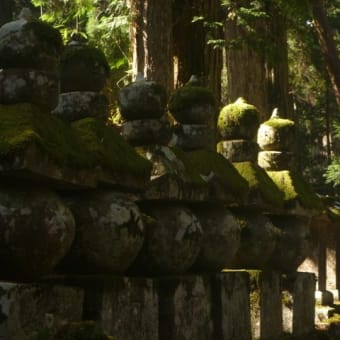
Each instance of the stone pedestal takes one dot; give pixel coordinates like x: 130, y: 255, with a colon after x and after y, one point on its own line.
x: 231, y: 306
x: 298, y: 304
x: 185, y: 308
x: 129, y: 309
x: 265, y: 305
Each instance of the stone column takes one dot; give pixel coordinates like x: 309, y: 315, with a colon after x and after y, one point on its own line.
x: 83, y: 74
x: 29, y: 56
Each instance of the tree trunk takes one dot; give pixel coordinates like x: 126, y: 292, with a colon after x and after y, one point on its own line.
x: 277, y: 63
x: 245, y: 63
x: 151, y: 39
x: 327, y: 44
x: 192, y: 53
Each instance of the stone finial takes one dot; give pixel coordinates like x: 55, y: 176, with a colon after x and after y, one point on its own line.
x: 275, y: 113
x: 194, y: 81
x: 26, y: 14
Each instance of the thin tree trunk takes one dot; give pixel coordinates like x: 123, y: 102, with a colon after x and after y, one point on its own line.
x: 327, y: 44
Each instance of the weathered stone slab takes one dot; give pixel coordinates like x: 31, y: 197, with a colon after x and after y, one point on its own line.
x: 185, y: 308
x: 231, y: 306
x: 32, y: 311
x: 265, y: 305
x: 299, y: 304
x: 129, y: 309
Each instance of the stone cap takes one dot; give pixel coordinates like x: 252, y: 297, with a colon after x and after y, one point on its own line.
x: 299, y: 196
x: 87, y: 146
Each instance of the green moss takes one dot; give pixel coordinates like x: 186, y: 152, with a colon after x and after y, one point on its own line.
x: 105, y: 146
x: 204, y: 162
x: 294, y: 187
x: 87, y: 54
x: 85, y: 144
x: 24, y: 124
x: 238, y: 114
x: 279, y: 123
x: 258, y: 180
x: 187, y: 96
x: 48, y: 35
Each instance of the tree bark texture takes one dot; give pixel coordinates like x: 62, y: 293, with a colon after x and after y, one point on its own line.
x: 327, y: 44
x: 151, y: 38
x: 192, y: 53
x: 246, y: 71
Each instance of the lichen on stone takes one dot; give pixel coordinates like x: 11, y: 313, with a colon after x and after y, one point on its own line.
x: 258, y: 180
x: 295, y: 188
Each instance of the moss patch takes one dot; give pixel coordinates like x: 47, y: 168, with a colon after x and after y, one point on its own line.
x: 294, y: 187
x: 106, y: 147
x: 236, y: 115
x: 259, y: 180
x: 46, y: 34
x: 204, y: 162
x: 279, y: 123
x: 85, y: 144
x: 89, y: 55
x: 188, y: 96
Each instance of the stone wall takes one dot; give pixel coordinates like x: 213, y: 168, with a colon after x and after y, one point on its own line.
x: 155, y: 229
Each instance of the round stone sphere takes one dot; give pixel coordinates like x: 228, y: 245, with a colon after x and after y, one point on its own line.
x: 276, y: 134
x: 238, y: 120
x: 294, y: 243
x: 173, y: 240
x: 221, y: 238
x: 142, y: 99
x: 37, y: 230
x: 276, y: 160
x: 109, y: 233
x: 29, y: 44
x: 192, y: 105
x: 258, y: 240
x: 83, y: 68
